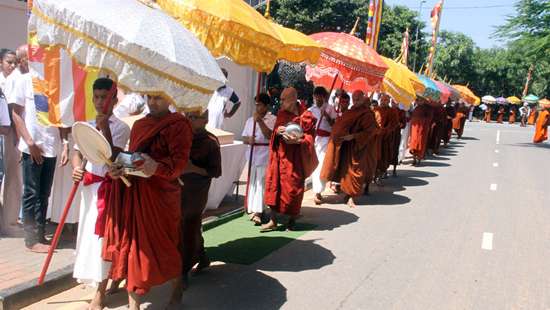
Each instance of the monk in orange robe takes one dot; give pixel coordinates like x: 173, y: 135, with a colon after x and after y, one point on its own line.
x: 438, y: 129
x: 532, y: 116
x: 500, y: 115
x: 346, y: 158
x: 373, y: 145
x: 460, y: 119
x: 291, y: 160
x: 541, y: 128
x: 142, y: 233
x: 450, y: 114
x: 421, y: 120
x: 488, y: 113
x: 387, y: 121
x: 512, y: 117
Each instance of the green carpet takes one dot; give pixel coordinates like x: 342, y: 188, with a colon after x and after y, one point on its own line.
x: 240, y: 242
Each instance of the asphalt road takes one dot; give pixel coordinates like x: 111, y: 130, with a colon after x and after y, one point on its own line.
x: 465, y: 230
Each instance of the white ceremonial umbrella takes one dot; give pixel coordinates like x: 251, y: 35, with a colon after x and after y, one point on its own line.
x: 147, y: 50
x: 488, y: 99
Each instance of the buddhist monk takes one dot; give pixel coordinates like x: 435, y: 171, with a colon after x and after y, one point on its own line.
x: 450, y: 114
x: 488, y: 114
x: 387, y: 122
x: 421, y: 120
x: 541, y: 129
x: 292, y: 159
x: 500, y: 115
x: 372, y: 144
x: 512, y: 117
x: 460, y: 119
x: 438, y: 129
x: 347, y: 152
x: 142, y: 233
x: 401, y: 117
x: 532, y: 116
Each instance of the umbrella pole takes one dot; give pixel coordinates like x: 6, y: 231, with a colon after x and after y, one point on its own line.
x: 59, y: 229
x: 249, y: 172
x: 259, y: 84
x: 334, y: 83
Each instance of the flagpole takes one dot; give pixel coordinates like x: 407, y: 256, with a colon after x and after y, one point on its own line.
x: 416, y: 43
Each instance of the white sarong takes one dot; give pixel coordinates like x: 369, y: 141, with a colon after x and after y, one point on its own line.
x: 321, y: 144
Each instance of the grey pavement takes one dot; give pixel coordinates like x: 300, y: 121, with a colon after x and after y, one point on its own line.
x: 457, y: 232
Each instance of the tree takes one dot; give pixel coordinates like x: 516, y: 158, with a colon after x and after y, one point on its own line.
x: 455, y: 57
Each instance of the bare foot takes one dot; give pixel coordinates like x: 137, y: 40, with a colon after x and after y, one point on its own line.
x: 351, y: 203
x: 114, y: 288
x: 318, y: 199
x: 97, y: 302
x: 270, y: 226
x: 177, y: 295
x: 39, y: 248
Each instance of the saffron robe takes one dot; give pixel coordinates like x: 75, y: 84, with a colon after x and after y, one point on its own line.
x: 421, y: 120
x: 512, y: 118
x: 460, y: 121
x: 450, y: 114
x: 290, y: 164
x: 541, y: 128
x: 401, y: 123
x: 346, y: 162
x: 142, y: 232
x: 532, y: 117
x: 500, y: 115
x: 387, y: 121
x: 438, y: 128
x: 488, y: 114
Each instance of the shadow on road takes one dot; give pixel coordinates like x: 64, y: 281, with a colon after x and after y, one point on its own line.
x: 328, y: 219
x: 469, y: 138
x: 300, y: 255
x: 431, y: 163
x: 533, y: 145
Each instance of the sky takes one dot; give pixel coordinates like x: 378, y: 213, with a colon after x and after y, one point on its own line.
x: 476, y: 18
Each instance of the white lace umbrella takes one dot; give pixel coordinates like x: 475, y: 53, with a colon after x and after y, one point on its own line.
x: 148, y: 51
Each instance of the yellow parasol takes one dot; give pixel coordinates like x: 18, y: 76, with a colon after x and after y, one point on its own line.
x: 467, y: 95
x: 229, y: 28
x: 401, y: 83
x: 513, y: 100
x: 297, y: 46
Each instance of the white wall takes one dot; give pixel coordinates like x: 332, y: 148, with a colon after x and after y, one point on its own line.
x: 243, y: 81
x: 13, y: 23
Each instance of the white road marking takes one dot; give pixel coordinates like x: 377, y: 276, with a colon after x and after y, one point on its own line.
x: 495, y: 165
x: 487, y: 241
x: 498, y: 136
x: 493, y: 187
x: 496, y: 151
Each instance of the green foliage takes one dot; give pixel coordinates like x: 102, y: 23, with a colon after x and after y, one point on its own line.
x: 455, y: 57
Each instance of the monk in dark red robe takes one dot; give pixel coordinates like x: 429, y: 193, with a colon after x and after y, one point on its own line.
x: 460, y: 119
x: 421, y: 120
x: 541, y: 129
x: 488, y: 113
x: 346, y: 158
x: 142, y: 234
x: 291, y: 160
x: 500, y: 115
x: 373, y: 145
x: 512, y: 117
x: 450, y: 114
x: 401, y: 117
x: 438, y: 129
x: 387, y: 122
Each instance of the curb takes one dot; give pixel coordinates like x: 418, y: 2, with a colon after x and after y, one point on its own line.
x: 29, y: 292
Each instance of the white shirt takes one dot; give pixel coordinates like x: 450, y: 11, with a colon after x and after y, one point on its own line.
x: 132, y: 104
x: 261, y: 152
x: 4, y: 112
x: 317, y: 112
x: 22, y: 94
x: 120, y: 133
x: 222, y: 101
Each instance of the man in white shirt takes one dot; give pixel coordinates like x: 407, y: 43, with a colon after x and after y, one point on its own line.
x: 38, y: 144
x: 89, y: 267
x: 257, y: 131
x: 223, y: 104
x: 132, y: 104
x: 325, y: 115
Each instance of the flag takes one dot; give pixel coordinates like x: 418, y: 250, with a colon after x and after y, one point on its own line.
x: 435, y: 20
x: 404, y: 56
x: 62, y: 87
x: 373, y: 22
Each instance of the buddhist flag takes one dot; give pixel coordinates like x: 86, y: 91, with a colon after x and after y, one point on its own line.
x: 435, y: 20
x: 62, y: 87
x: 373, y: 23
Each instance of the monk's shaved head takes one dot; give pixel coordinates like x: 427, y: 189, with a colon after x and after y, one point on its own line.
x: 23, y: 58
x: 358, y: 97
x: 290, y: 92
x: 289, y: 99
